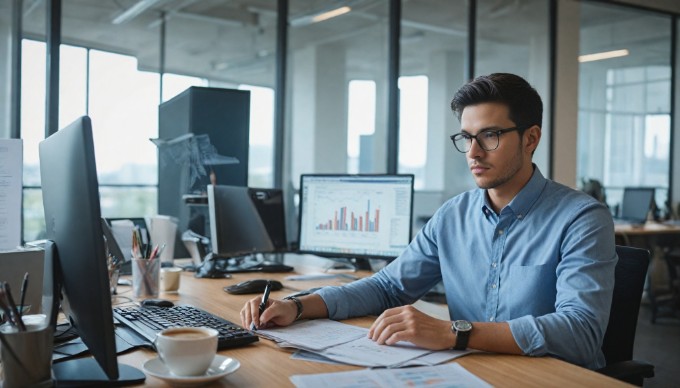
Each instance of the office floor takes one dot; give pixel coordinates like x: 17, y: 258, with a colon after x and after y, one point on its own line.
x: 659, y: 344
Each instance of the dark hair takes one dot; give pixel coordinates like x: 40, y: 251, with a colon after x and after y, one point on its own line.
x: 523, y: 102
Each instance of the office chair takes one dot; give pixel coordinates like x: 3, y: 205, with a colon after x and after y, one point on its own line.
x: 619, y: 338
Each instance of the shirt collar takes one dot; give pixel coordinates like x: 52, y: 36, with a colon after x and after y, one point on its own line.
x: 526, y: 197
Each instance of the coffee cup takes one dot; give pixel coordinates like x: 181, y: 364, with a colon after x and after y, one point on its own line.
x: 187, y: 351
x: 170, y: 279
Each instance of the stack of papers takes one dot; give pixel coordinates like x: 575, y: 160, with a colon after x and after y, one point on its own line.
x: 449, y: 375
x: 331, y: 341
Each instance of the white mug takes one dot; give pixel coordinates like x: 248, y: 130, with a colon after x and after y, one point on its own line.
x: 170, y: 277
x: 187, y: 351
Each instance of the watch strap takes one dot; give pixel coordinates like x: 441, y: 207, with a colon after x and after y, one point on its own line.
x: 462, y: 337
x: 298, y: 303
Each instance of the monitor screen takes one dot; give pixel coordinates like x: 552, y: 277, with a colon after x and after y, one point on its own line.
x: 355, y: 216
x: 245, y: 220
x: 73, y: 219
x: 637, y: 202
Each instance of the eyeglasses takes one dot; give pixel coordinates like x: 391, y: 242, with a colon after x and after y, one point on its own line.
x: 488, y: 139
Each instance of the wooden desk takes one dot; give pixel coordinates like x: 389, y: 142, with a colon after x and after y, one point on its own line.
x: 264, y: 364
x: 647, y: 235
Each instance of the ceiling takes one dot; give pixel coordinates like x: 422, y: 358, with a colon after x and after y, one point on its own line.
x: 234, y: 41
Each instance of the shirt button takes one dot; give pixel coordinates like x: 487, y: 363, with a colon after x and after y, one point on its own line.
x: 500, y: 232
x: 493, y: 285
x: 491, y: 319
x: 519, y: 216
x: 493, y: 264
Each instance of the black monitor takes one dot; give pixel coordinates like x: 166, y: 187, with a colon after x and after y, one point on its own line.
x: 73, y: 218
x: 637, y: 201
x: 355, y: 216
x: 246, y: 220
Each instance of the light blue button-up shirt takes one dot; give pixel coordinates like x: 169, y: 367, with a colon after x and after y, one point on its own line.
x: 545, y: 265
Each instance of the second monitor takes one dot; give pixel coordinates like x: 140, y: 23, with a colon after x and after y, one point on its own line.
x: 246, y: 220
x: 355, y: 216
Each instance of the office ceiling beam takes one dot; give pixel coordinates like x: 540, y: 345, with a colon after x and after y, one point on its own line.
x: 134, y: 11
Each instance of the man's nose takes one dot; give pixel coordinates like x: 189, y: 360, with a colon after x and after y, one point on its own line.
x: 475, y: 150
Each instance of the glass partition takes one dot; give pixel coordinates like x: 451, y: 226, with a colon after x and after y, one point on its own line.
x: 624, y: 100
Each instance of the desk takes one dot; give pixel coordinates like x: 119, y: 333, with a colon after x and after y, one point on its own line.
x: 264, y: 364
x: 659, y: 239
x: 646, y: 236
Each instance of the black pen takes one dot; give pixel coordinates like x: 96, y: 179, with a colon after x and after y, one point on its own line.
x: 263, y: 304
x: 22, y: 298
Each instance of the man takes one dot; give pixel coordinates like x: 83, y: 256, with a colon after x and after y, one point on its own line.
x: 527, y: 264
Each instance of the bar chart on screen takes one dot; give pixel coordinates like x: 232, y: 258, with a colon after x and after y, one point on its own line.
x: 357, y: 216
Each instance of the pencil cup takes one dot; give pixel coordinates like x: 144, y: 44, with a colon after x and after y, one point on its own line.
x: 145, y: 274
x: 26, y: 356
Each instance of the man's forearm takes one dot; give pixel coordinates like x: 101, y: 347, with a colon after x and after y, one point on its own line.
x: 493, y: 337
x: 313, y: 307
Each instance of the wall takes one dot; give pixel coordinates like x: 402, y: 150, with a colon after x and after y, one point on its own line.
x: 566, y: 93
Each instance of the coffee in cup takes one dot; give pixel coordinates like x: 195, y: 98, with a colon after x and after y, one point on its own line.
x: 187, y: 351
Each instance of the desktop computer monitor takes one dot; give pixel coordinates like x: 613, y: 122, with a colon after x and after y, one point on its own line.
x: 73, y: 218
x: 355, y: 216
x: 637, y: 201
x: 246, y: 220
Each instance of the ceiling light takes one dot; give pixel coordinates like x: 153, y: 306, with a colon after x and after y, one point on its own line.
x: 319, y: 16
x: 603, y: 55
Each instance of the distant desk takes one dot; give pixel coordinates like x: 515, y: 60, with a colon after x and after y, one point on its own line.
x: 651, y: 235
x: 264, y: 364
x: 659, y: 239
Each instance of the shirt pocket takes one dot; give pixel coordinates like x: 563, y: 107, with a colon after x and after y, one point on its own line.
x: 529, y: 289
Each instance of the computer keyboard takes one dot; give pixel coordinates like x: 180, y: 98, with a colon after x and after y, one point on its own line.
x: 149, y: 321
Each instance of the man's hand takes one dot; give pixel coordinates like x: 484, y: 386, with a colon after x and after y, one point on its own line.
x: 407, y: 323
x: 277, y: 313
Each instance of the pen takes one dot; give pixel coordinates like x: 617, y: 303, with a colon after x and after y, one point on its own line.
x: 24, y: 286
x: 263, y: 304
x: 13, y: 307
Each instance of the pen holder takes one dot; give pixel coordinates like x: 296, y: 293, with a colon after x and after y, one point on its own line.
x: 26, y: 356
x: 145, y: 275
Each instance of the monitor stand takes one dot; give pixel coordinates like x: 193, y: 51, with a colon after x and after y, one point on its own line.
x: 349, y: 265
x: 86, y: 372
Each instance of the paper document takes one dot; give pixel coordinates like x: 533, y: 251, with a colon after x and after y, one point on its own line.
x: 449, y: 375
x: 349, y: 344
x: 11, y: 167
x: 316, y: 334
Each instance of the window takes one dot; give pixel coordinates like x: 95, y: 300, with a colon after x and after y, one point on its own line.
x: 624, y: 102
x: 413, y: 127
x: 360, y: 125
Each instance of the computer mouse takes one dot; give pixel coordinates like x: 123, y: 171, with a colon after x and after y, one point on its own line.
x: 253, y: 286
x: 157, y: 303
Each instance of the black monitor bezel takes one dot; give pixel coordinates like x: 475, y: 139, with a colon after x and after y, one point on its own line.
x: 356, y: 176
x: 73, y: 221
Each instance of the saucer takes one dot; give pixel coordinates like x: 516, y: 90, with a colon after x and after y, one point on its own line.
x: 220, y: 367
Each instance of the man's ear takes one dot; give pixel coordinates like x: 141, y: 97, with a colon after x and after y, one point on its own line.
x: 532, y: 136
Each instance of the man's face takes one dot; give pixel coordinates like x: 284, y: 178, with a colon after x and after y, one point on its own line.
x: 492, y: 169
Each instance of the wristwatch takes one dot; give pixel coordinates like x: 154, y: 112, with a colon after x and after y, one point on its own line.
x: 298, y: 304
x: 462, y: 331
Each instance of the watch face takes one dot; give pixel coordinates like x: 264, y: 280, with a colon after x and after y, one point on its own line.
x: 462, y: 325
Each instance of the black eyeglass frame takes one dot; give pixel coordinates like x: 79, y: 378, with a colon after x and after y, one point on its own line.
x: 498, y: 132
